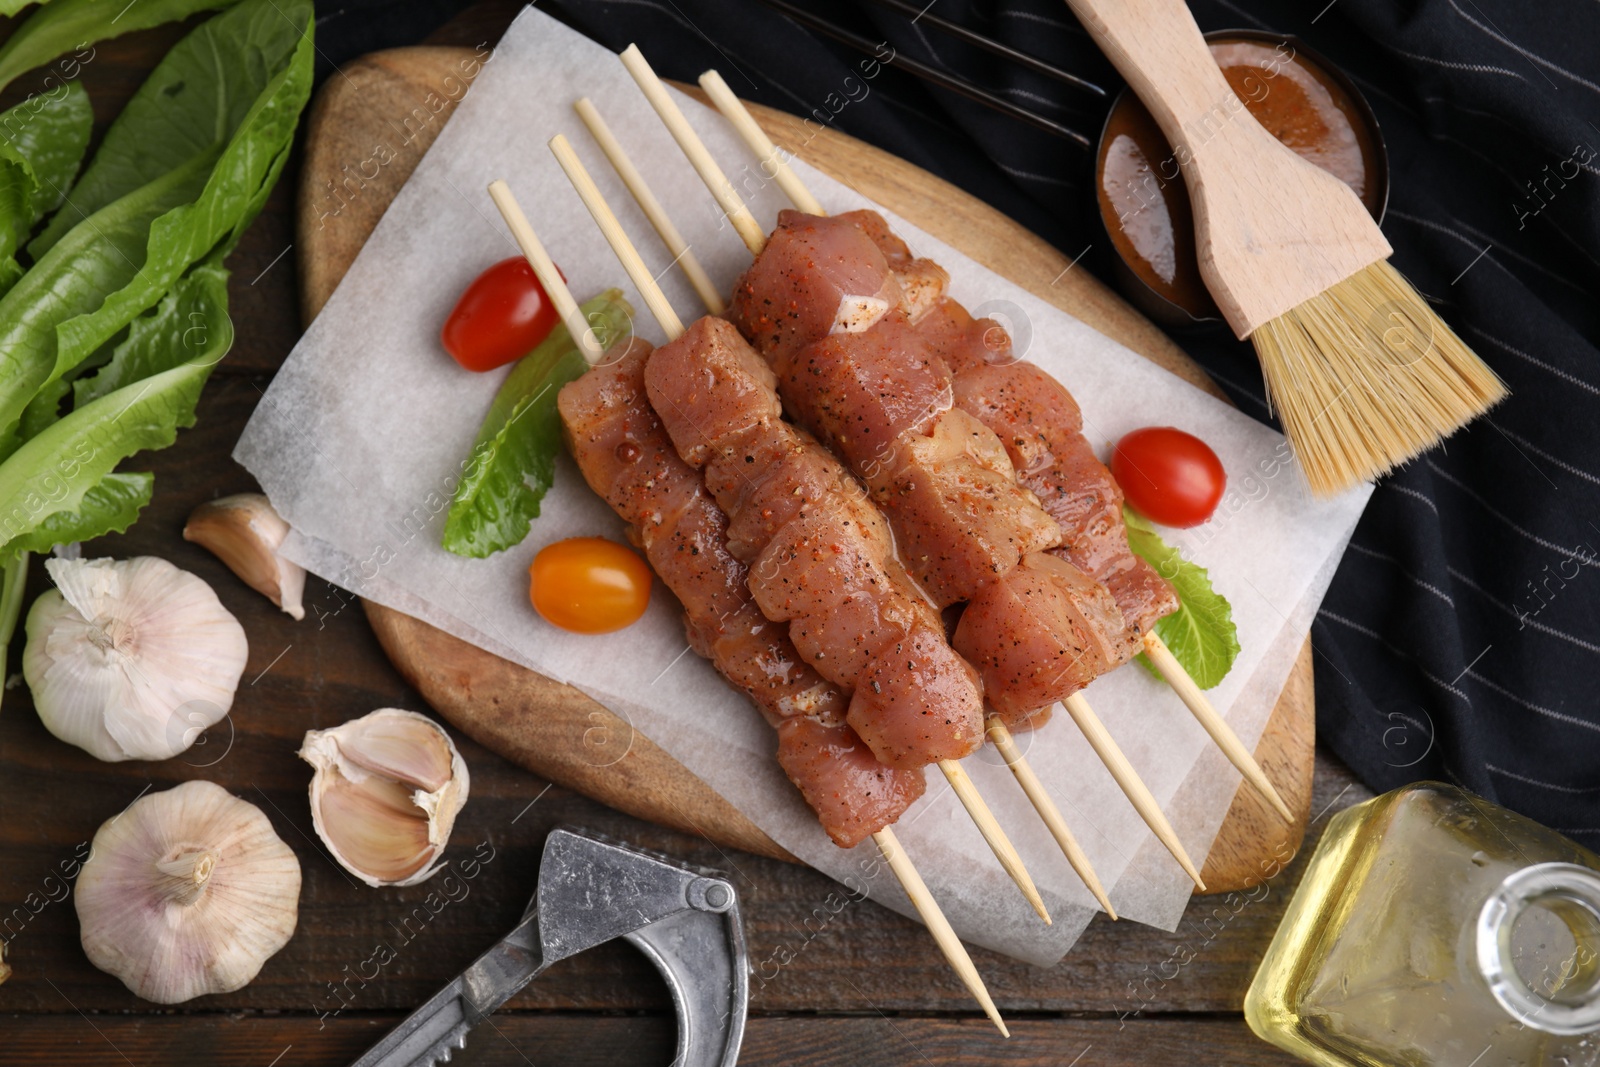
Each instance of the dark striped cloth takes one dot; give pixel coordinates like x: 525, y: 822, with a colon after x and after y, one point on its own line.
x: 1461, y: 636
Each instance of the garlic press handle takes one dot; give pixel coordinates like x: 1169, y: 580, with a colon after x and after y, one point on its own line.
x: 592, y: 891
x: 701, y: 954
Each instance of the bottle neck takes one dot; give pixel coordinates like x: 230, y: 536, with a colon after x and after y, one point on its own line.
x: 1538, y: 947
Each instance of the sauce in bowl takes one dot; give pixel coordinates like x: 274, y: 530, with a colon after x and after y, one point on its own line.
x: 1144, y: 205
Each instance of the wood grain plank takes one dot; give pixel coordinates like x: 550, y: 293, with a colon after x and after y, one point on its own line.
x: 810, y: 951
x: 518, y: 1039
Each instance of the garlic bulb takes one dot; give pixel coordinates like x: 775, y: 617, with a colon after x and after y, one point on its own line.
x: 131, y: 659
x: 187, y: 892
x: 244, y: 532
x: 385, y: 794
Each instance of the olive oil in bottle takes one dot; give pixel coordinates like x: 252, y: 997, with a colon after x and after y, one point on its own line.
x: 1435, y: 928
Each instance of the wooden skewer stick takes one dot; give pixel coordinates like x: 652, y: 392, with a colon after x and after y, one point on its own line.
x: 1045, y: 805
x: 749, y: 230
x: 998, y: 842
x: 640, y: 190
x: 915, y: 888
x: 545, y: 270
x: 750, y: 130
x: 1195, y: 699
x: 959, y: 781
x: 616, y: 237
x: 954, y: 951
x: 1128, y: 779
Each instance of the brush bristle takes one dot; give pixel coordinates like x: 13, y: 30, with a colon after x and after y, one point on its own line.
x: 1365, y: 376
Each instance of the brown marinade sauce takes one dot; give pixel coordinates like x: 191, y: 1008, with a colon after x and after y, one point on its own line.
x: 1142, y: 197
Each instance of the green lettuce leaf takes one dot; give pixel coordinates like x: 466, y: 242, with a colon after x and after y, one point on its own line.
x: 62, y: 471
x: 181, y: 173
x: 42, y: 142
x: 42, y: 410
x: 49, y: 134
x: 70, y: 283
x: 72, y: 25
x: 109, y: 506
x: 512, y: 464
x: 1200, y: 633
x: 233, y: 87
x: 11, y: 7
x: 190, y: 322
x: 13, y: 580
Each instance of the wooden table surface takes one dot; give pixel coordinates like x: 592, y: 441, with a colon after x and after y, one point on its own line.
x: 858, y: 985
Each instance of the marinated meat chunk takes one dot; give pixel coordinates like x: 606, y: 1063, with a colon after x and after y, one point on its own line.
x: 899, y: 401
x: 852, y: 793
x: 1001, y: 629
x: 821, y: 557
x: 626, y: 457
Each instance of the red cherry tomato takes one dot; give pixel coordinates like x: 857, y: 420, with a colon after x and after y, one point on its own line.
x: 1169, y: 476
x: 502, y: 316
x: 589, y: 585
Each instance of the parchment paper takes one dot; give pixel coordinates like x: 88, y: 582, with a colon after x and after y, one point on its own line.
x: 362, y: 435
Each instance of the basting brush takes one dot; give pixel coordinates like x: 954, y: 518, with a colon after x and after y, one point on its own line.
x: 1362, y: 373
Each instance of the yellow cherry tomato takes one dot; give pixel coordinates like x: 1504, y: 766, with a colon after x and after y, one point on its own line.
x: 589, y: 585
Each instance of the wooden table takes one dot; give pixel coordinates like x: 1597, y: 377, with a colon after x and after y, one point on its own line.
x: 861, y: 985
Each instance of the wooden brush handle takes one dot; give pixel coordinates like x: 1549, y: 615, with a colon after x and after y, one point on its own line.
x: 1157, y: 46
x: 1271, y: 229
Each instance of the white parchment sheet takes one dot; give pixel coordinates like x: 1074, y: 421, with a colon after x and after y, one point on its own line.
x: 362, y: 435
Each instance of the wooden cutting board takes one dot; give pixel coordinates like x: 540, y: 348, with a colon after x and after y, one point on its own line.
x: 368, y: 129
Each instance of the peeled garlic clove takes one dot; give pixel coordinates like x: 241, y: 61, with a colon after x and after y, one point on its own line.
x: 245, y: 532
x: 187, y: 892
x: 385, y: 794
x: 131, y: 659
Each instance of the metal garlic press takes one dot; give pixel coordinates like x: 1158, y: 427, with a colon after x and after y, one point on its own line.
x: 590, y: 892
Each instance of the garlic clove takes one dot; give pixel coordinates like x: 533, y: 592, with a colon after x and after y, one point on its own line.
x: 401, y: 748
x: 385, y: 794
x: 185, y: 893
x: 245, y: 533
x: 131, y: 659
x: 374, y: 827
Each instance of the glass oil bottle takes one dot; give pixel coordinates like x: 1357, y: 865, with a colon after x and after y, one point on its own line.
x: 1435, y: 928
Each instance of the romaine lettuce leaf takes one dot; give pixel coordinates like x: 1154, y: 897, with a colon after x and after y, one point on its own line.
x: 11, y: 7
x: 49, y: 133
x: 42, y: 141
x: 512, y: 464
x: 190, y: 322
x: 68, y: 25
x: 110, y: 506
x: 103, y: 255
x: 1200, y: 633
x: 56, y: 472
x: 182, y: 171
x: 13, y: 581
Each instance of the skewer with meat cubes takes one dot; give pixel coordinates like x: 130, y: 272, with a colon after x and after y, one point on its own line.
x: 684, y: 257
x: 1042, y: 428
x: 628, y: 455
x: 876, y: 361
x: 821, y: 556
